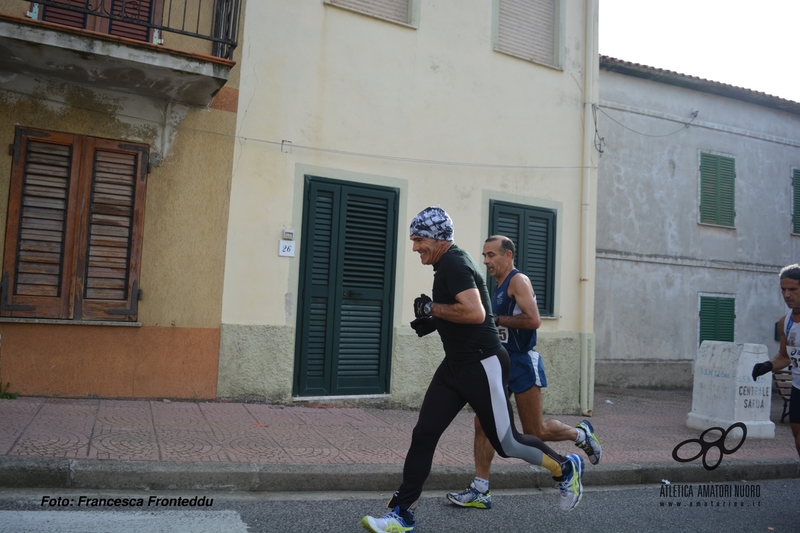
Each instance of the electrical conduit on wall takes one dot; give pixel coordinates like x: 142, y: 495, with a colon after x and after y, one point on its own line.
x: 589, y: 174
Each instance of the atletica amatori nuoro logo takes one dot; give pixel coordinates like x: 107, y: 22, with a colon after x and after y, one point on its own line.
x: 706, y: 446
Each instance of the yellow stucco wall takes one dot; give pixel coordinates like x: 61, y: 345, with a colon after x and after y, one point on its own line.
x: 175, y: 351
x: 186, y: 209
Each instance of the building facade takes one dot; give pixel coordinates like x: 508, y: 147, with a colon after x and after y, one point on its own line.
x: 114, y: 195
x: 355, y: 115
x: 698, y: 211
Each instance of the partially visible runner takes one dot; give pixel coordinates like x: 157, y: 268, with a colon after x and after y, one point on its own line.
x: 474, y: 371
x: 789, y: 352
x: 517, y: 318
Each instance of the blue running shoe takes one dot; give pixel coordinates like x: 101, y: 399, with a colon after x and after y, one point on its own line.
x: 391, y: 522
x: 590, y: 444
x: 571, y: 487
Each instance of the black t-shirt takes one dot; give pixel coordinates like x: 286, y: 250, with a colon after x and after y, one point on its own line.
x: 456, y: 272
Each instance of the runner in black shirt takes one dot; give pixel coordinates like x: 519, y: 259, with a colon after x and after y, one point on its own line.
x: 474, y: 371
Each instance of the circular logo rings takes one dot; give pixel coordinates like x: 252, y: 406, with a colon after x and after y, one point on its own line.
x: 705, y: 446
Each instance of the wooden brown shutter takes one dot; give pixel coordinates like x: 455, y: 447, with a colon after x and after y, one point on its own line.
x: 109, y: 251
x: 64, y: 16
x: 74, y: 231
x: 149, y: 11
x: 41, y: 226
x: 142, y: 10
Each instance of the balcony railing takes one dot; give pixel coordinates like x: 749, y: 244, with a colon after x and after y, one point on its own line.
x: 175, y: 23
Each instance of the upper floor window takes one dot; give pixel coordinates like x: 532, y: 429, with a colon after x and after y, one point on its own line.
x: 74, y: 233
x: 394, y: 10
x: 717, y: 190
x: 148, y: 11
x: 529, y: 29
x: 717, y: 318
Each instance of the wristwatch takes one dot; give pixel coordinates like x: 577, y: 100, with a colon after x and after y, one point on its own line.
x: 427, y: 308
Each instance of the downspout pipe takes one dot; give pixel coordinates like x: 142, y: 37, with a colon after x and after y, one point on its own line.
x: 588, y: 214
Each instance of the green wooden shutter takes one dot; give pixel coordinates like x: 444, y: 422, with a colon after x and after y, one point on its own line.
x: 796, y: 201
x: 717, y: 190
x: 533, y: 231
x: 347, y: 282
x: 366, y: 259
x: 717, y: 317
x: 320, y: 247
x: 538, y: 258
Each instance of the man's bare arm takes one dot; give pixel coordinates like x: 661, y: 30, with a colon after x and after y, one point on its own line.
x: 521, y: 290
x: 468, y: 308
x: 781, y: 360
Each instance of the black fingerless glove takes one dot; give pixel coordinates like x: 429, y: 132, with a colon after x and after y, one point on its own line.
x: 424, y: 325
x: 759, y: 369
x: 420, y: 308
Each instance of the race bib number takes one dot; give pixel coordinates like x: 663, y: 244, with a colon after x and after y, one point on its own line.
x: 794, y: 355
x: 503, y: 331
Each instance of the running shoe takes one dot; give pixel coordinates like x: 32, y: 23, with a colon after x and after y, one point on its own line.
x: 471, y: 497
x: 391, y: 522
x: 590, y: 444
x: 571, y: 487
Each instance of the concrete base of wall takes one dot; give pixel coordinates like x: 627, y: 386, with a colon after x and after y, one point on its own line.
x: 256, y: 362
x: 643, y: 374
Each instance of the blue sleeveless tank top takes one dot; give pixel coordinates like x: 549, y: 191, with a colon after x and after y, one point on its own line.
x: 518, y: 340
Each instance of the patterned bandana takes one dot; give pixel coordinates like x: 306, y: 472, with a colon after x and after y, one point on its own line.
x: 433, y: 223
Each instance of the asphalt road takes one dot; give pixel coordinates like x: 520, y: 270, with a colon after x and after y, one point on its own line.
x: 768, y: 506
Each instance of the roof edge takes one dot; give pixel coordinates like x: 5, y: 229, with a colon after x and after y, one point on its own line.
x: 698, y: 84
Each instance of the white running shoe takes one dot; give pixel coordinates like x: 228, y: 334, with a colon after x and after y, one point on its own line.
x: 471, y: 497
x: 391, y: 522
x: 571, y: 487
x: 590, y: 444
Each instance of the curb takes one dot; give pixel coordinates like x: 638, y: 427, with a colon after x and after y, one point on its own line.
x: 23, y: 472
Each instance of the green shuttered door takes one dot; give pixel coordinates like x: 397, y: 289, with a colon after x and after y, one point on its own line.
x: 346, y: 287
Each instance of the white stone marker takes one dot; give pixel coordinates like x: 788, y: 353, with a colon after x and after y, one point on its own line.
x: 724, y: 391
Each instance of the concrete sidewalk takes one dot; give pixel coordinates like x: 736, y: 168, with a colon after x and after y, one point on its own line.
x: 155, y: 445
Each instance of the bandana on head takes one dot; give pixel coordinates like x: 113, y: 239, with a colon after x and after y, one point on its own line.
x: 433, y: 223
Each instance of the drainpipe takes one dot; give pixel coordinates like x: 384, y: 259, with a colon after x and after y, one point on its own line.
x: 588, y: 179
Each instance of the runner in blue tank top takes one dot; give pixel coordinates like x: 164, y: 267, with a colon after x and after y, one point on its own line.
x: 520, y: 341
x: 517, y: 318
